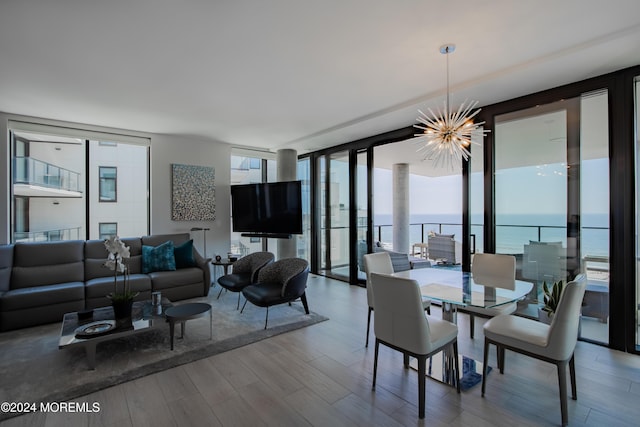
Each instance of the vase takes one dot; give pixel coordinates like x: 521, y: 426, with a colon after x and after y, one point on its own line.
x: 544, y: 317
x: 122, y: 312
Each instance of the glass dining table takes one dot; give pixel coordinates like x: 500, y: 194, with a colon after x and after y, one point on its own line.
x: 454, y: 289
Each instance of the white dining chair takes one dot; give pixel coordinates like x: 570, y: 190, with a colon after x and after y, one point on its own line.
x: 400, y: 324
x: 553, y: 343
x: 380, y: 262
x: 491, y: 271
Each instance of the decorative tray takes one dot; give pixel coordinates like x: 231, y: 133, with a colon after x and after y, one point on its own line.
x: 95, y: 329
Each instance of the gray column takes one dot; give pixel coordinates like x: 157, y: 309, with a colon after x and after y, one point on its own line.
x: 287, y: 168
x: 401, y: 207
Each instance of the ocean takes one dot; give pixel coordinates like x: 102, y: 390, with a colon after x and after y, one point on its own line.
x: 512, y: 231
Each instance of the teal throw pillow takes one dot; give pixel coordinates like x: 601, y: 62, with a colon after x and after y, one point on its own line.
x: 184, y: 255
x: 159, y: 258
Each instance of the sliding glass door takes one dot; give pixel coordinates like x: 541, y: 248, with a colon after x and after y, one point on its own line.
x: 552, y: 199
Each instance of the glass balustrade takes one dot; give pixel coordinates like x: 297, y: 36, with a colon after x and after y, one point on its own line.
x: 28, y: 170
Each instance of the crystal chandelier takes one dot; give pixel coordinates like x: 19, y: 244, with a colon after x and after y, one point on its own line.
x: 447, y: 135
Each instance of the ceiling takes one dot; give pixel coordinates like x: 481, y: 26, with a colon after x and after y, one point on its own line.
x: 294, y: 74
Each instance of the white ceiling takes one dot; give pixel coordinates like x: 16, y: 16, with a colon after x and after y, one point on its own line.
x: 293, y: 73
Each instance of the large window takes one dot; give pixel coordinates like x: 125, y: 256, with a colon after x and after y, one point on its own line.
x: 108, y: 191
x: 552, y: 199
x: 60, y: 181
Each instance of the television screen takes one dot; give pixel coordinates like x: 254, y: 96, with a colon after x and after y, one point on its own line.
x: 267, y: 208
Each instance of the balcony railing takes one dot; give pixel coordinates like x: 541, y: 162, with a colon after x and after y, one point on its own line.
x: 48, y: 235
x: 510, y: 238
x: 28, y: 170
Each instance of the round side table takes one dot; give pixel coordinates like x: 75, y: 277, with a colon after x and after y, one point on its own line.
x: 184, y: 312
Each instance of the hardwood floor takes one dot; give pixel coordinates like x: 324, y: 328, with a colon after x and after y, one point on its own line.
x: 321, y: 376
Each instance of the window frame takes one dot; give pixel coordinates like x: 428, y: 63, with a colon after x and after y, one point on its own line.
x: 102, y: 180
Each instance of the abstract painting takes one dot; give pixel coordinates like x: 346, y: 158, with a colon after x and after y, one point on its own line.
x: 193, y: 193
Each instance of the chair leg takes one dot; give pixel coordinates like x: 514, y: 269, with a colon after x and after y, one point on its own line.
x: 456, y: 363
x: 500, y: 351
x: 405, y: 360
x: 422, y: 378
x: 266, y: 318
x: 303, y: 298
x: 485, y: 362
x: 429, y: 310
x: 472, y: 324
x: 366, y: 343
x: 220, y: 293
x: 572, y: 374
x: 238, y: 305
x: 375, y: 364
x: 243, y: 305
x: 562, y: 382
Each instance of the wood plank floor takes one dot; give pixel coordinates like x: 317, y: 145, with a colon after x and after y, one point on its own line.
x: 321, y: 376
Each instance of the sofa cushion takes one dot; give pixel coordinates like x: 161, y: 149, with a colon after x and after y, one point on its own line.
x: 42, y: 296
x: 170, y: 279
x: 47, y: 263
x: 102, y: 286
x: 184, y: 255
x: 95, y: 255
x: 158, y: 258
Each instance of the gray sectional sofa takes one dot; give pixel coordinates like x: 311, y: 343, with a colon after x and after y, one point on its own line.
x: 40, y: 282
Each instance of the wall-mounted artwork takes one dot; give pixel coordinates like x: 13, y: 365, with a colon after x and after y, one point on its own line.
x: 193, y: 193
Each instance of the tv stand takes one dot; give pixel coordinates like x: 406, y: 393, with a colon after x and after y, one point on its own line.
x: 268, y: 235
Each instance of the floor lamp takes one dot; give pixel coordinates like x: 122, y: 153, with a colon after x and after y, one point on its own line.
x: 204, y: 237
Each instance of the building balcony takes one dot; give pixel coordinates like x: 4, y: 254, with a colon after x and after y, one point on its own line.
x: 35, y: 178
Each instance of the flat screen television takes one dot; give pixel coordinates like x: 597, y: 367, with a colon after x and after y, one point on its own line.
x: 271, y: 208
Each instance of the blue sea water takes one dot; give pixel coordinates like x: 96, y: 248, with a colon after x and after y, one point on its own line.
x: 512, y: 231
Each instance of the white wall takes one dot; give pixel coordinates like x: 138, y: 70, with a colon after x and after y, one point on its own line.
x: 169, y: 149
x: 131, y: 206
x: 165, y: 150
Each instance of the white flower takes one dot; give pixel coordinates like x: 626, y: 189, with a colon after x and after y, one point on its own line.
x: 116, y: 246
x: 118, y: 251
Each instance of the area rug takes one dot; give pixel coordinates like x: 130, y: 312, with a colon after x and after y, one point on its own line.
x: 33, y: 369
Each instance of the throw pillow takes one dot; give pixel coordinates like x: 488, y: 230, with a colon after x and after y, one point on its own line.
x: 184, y: 255
x: 159, y: 258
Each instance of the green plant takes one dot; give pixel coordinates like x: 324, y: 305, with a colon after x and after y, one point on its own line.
x: 552, y: 296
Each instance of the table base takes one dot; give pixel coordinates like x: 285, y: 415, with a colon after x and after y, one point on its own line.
x: 440, y: 368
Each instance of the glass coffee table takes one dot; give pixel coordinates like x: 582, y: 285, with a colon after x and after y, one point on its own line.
x: 88, y: 333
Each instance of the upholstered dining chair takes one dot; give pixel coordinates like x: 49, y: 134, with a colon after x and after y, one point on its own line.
x: 493, y: 271
x: 244, y: 272
x: 380, y: 262
x: 553, y: 343
x: 280, y: 282
x: 400, y: 323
